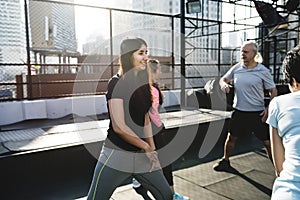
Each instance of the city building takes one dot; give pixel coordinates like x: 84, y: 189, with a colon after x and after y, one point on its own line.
x: 12, y: 31
x: 13, y: 39
x: 53, y: 35
x: 201, y: 36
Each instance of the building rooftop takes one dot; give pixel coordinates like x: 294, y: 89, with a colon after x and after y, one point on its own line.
x: 49, y: 162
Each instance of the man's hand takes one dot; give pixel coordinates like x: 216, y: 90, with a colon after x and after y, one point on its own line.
x: 264, y: 115
x: 226, y: 87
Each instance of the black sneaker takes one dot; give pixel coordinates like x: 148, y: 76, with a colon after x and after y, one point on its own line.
x: 222, y: 165
x: 143, y: 192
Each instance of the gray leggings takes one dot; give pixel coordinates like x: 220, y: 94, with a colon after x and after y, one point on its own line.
x: 114, y: 167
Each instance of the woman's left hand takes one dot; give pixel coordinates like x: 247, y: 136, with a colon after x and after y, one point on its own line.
x: 153, y: 157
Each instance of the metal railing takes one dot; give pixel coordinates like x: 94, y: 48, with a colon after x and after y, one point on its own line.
x: 42, y: 61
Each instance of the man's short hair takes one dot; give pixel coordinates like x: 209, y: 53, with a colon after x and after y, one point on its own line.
x: 254, y: 45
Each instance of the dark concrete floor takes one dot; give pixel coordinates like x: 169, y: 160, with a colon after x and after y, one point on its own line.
x: 65, y: 173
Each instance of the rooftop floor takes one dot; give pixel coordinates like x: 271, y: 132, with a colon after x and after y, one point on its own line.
x: 38, y: 154
x: 251, y: 177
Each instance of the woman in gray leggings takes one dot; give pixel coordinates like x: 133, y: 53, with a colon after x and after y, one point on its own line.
x: 129, y: 151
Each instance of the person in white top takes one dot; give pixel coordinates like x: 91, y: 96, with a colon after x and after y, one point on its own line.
x: 284, y: 121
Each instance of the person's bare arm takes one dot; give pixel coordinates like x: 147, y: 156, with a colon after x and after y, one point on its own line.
x: 273, y: 93
x: 264, y: 114
x: 148, y: 134
x: 118, y: 123
x: 277, y: 150
x: 224, y: 84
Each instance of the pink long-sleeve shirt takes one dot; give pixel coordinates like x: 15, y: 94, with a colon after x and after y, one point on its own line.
x: 154, y: 114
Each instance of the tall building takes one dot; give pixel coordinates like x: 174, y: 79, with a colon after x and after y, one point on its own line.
x: 12, y: 31
x: 160, y: 28
x: 156, y: 30
x: 52, y: 28
x: 201, y: 35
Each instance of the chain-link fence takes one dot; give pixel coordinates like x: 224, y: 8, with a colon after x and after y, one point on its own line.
x: 52, y: 49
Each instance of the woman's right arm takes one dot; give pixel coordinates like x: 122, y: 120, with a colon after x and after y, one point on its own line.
x: 116, y: 111
x: 277, y: 150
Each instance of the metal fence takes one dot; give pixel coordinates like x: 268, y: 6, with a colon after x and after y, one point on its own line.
x: 43, y: 55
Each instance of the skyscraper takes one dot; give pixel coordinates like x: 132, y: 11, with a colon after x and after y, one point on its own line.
x: 201, y: 36
x: 12, y: 31
x: 52, y: 28
x: 156, y: 30
x: 197, y: 35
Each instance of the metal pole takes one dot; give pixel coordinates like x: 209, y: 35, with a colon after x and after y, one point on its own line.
x: 29, y: 92
x: 182, y: 53
x: 111, y: 44
x: 219, y: 39
x: 172, y: 54
x: 275, y: 59
x: 219, y: 48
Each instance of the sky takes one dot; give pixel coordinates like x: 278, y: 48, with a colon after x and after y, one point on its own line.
x: 92, y: 22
